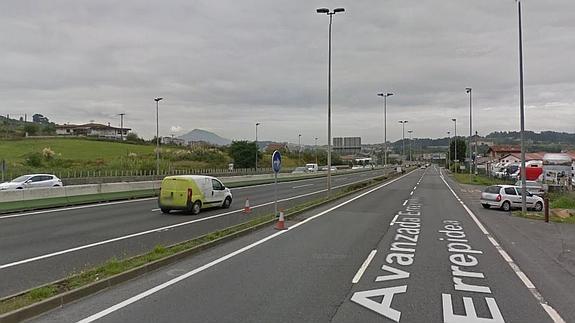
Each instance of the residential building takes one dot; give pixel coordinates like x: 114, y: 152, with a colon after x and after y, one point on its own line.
x: 173, y: 141
x: 92, y: 130
x: 498, y: 151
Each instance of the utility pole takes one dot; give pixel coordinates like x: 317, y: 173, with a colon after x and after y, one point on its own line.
x: 121, y: 126
x: 157, y: 136
x: 257, y: 149
x: 522, y: 117
x: 299, y: 155
x: 449, y: 150
x: 403, y: 122
x: 316, y: 150
x: 468, y: 90
x: 455, y: 145
x: 410, y: 132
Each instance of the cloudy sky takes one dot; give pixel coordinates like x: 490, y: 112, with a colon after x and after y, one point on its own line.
x: 223, y: 65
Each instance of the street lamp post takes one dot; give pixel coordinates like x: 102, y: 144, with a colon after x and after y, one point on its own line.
x: 455, y: 145
x: 410, y: 132
x: 522, y: 116
x: 121, y: 126
x: 157, y: 136
x: 330, y: 14
x: 299, y: 144
x: 385, y: 95
x: 257, y: 149
x: 449, y: 149
x: 468, y: 90
x: 403, y: 122
x: 316, y: 150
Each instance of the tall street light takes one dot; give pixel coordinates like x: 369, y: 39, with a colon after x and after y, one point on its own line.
x: 316, y: 150
x: 157, y: 136
x: 522, y: 116
x: 330, y: 14
x: 455, y: 145
x: 257, y: 149
x: 385, y: 95
x: 403, y: 122
x: 410, y: 132
x: 299, y: 143
x: 468, y: 90
x: 449, y: 149
x: 121, y: 126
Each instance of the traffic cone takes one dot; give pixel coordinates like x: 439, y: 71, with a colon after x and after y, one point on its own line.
x: 280, y: 225
x: 247, y: 208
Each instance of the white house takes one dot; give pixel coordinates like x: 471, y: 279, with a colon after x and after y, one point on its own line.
x: 92, y: 130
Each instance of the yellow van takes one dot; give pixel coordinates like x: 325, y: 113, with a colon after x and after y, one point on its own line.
x: 192, y: 193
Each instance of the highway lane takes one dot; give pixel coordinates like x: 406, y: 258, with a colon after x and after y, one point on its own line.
x: 307, y: 274
x: 134, y: 224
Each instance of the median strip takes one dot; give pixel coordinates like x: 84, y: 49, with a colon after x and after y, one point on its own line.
x: 35, y: 301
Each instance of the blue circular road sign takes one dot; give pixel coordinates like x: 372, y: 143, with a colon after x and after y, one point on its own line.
x: 276, y: 161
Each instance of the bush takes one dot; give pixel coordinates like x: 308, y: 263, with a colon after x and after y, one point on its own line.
x: 34, y: 160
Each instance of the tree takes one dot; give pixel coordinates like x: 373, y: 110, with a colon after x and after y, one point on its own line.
x: 31, y: 129
x: 132, y: 137
x: 243, y: 153
x: 461, y: 150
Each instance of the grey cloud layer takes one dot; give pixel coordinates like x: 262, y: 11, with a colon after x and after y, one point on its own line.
x: 222, y: 65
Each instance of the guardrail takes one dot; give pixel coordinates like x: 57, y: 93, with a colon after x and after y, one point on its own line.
x: 36, y: 198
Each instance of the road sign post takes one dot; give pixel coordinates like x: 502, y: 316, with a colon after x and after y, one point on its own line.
x: 276, y: 166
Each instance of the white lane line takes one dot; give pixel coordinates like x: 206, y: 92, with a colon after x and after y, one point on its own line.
x: 169, y: 283
x: 75, y: 208
x: 394, y: 219
x: 363, y: 267
x: 411, y: 193
x: 405, y: 202
x: 300, y: 186
x: 161, y: 229
x: 553, y: 314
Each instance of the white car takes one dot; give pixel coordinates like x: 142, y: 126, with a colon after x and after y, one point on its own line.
x: 31, y: 181
x: 506, y: 197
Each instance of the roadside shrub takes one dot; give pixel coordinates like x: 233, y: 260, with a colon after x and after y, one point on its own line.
x: 34, y: 160
x: 48, y: 153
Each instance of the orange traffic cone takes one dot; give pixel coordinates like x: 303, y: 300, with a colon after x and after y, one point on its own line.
x: 280, y: 225
x: 247, y: 208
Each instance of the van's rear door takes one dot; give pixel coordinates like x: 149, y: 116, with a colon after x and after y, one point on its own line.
x: 174, y: 192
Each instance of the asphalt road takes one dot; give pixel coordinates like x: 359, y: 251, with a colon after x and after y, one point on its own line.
x: 407, y: 251
x: 40, y: 247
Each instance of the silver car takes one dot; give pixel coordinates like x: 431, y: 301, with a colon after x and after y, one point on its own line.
x: 31, y: 181
x: 506, y: 197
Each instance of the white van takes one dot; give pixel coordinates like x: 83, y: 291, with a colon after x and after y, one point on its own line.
x: 311, y: 168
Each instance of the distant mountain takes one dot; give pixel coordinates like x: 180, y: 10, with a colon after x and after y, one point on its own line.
x: 203, y: 135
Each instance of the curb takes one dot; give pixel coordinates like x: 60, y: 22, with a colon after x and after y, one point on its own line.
x: 60, y: 300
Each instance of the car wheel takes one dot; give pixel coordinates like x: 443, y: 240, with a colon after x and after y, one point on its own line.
x: 165, y: 211
x: 19, y: 188
x: 196, y: 207
x: 486, y: 206
x: 227, y: 203
x: 538, y: 206
x: 506, y: 206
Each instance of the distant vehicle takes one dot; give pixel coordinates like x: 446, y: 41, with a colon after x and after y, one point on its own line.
x: 192, y: 193
x: 311, y: 167
x: 299, y: 170
x: 324, y: 168
x: 31, y: 181
x: 533, y: 187
x: 506, y: 197
x: 423, y: 167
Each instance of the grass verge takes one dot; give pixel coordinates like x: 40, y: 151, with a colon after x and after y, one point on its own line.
x: 115, y: 266
x: 541, y: 216
x: 478, y: 180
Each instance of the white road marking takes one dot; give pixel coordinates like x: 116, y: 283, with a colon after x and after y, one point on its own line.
x: 161, y: 229
x: 411, y: 193
x: 405, y: 202
x: 526, y: 281
x: 363, y: 267
x: 75, y: 208
x: 169, y: 283
x: 300, y: 186
x: 394, y: 219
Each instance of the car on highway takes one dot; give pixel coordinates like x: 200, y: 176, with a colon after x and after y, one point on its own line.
x: 533, y: 187
x: 192, y: 193
x: 32, y: 181
x: 506, y: 197
x: 299, y: 170
x: 324, y: 168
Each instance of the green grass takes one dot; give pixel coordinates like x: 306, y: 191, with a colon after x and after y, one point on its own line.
x: 71, y: 148
x: 562, y: 200
x: 541, y: 216
x: 478, y: 179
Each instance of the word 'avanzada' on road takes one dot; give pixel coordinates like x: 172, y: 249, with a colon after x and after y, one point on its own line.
x: 462, y: 257
x: 394, y: 272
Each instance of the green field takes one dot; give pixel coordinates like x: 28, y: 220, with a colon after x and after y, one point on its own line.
x: 70, y: 148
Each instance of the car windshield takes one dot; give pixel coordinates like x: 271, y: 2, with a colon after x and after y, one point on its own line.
x: 21, y: 179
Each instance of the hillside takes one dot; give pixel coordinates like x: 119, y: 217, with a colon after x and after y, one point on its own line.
x: 203, y: 135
